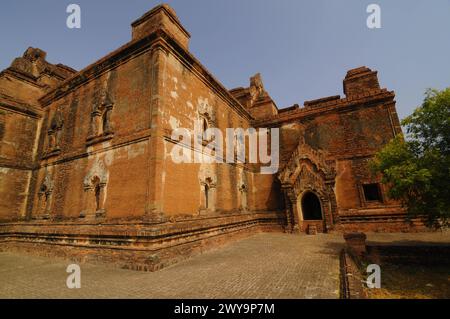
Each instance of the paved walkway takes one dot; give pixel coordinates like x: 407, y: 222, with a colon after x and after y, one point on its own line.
x: 263, y: 266
x: 267, y: 265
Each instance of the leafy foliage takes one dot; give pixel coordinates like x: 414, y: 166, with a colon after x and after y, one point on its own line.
x: 416, y: 167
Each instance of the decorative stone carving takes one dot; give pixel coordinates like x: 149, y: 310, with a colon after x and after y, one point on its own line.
x: 54, y: 134
x: 206, y: 110
x: 243, y: 191
x: 94, y: 185
x: 44, y: 199
x: 308, y: 170
x: 34, y: 66
x: 101, y: 128
x: 206, y: 119
x: 257, y: 87
x: 208, y: 193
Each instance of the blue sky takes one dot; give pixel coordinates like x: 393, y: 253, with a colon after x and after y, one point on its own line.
x: 302, y: 48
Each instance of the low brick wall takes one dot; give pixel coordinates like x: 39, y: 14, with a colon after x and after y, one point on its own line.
x: 138, y: 246
x: 410, y: 254
x: 381, y: 223
x: 351, y: 278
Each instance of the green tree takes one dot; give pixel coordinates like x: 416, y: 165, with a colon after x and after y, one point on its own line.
x: 416, y: 167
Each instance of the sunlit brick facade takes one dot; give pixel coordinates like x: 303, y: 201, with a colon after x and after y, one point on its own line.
x: 86, y: 170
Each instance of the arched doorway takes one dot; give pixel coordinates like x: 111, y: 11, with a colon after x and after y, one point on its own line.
x: 311, y: 208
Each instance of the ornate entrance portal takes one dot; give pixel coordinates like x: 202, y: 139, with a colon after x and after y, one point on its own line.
x: 308, y: 184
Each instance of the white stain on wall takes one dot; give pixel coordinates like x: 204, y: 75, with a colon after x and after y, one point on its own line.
x: 174, y: 123
x: 174, y: 95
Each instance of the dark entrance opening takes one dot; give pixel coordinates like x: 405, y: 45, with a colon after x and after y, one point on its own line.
x: 311, y: 207
x: 372, y: 192
x: 206, y: 196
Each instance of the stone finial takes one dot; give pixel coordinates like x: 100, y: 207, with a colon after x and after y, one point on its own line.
x: 34, y: 54
x: 33, y: 63
x: 257, y: 87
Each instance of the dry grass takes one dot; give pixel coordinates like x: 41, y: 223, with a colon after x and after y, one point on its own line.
x: 412, y: 282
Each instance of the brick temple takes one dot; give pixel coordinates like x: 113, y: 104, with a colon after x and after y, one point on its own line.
x: 86, y: 171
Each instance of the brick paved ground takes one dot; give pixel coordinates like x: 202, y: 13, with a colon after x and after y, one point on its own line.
x: 262, y: 266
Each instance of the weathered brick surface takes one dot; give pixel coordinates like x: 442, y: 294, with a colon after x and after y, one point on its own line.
x: 88, y: 149
x: 27, y: 79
